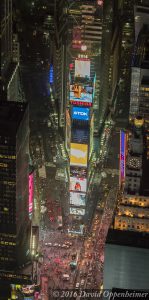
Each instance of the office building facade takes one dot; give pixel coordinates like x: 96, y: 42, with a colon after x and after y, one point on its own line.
x: 15, y: 226
x: 9, y: 56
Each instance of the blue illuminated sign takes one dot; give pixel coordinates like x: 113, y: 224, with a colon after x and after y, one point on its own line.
x: 122, y: 155
x: 51, y: 79
x: 80, y: 113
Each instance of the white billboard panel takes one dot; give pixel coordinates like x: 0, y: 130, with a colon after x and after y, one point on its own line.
x: 82, y: 68
x: 77, y: 211
x: 77, y: 199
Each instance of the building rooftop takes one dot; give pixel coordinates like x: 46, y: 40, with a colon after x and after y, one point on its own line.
x: 128, y: 238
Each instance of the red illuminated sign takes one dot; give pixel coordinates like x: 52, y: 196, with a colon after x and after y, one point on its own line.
x: 81, y: 103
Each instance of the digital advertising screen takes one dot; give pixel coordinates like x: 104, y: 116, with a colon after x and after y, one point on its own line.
x: 80, y: 94
x: 51, y: 72
x: 77, y: 199
x: 78, y: 184
x: 82, y: 67
x: 122, y: 155
x: 80, y: 135
x: 80, y: 113
x: 76, y: 37
x: 78, y: 172
x: 31, y: 192
x: 77, y: 211
x: 78, y: 154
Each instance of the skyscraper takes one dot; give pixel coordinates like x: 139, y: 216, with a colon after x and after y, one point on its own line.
x: 9, y: 63
x: 5, y: 39
x: 14, y: 220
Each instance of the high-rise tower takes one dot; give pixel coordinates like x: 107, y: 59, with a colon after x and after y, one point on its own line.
x: 5, y: 39
x: 14, y: 212
x: 9, y: 56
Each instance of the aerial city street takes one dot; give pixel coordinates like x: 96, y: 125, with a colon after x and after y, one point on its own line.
x: 74, y: 149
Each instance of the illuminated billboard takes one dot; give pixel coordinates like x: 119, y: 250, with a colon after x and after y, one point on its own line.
x: 122, y: 155
x: 78, y: 172
x: 77, y: 211
x: 76, y: 37
x: 77, y: 199
x: 82, y: 67
x: 31, y: 192
x: 80, y: 113
x: 78, y: 184
x: 51, y: 79
x: 81, y: 94
x: 78, y: 154
x: 80, y: 135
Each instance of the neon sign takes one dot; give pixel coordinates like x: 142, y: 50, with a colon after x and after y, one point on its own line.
x: 51, y: 79
x: 122, y: 155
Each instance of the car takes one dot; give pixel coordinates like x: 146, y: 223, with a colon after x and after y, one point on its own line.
x: 74, y: 256
x: 81, y: 273
x: 89, y: 255
x: 55, y: 245
x: 82, y: 282
x: 90, y: 274
x: 66, y: 277
x: 69, y: 243
x: 77, y: 285
x: 65, y: 246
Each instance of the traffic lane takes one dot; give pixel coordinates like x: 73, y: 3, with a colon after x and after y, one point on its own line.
x: 90, y: 258
x: 64, y: 268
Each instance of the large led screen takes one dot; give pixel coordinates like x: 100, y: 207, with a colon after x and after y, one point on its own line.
x: 78, y: 155
x: 78, y: 184
x: 82, y: 67
x: 80, y: 113
x: 81, y: 93
x: 31, y: 192
x: 77, y: 199
x: 122, y: 155
x: 77, y: 211
x: 76, y: 39
x: 80, y: 135
x: 78, y: 172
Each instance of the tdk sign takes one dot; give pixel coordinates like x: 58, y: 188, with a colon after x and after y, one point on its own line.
x: 80, y: 113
